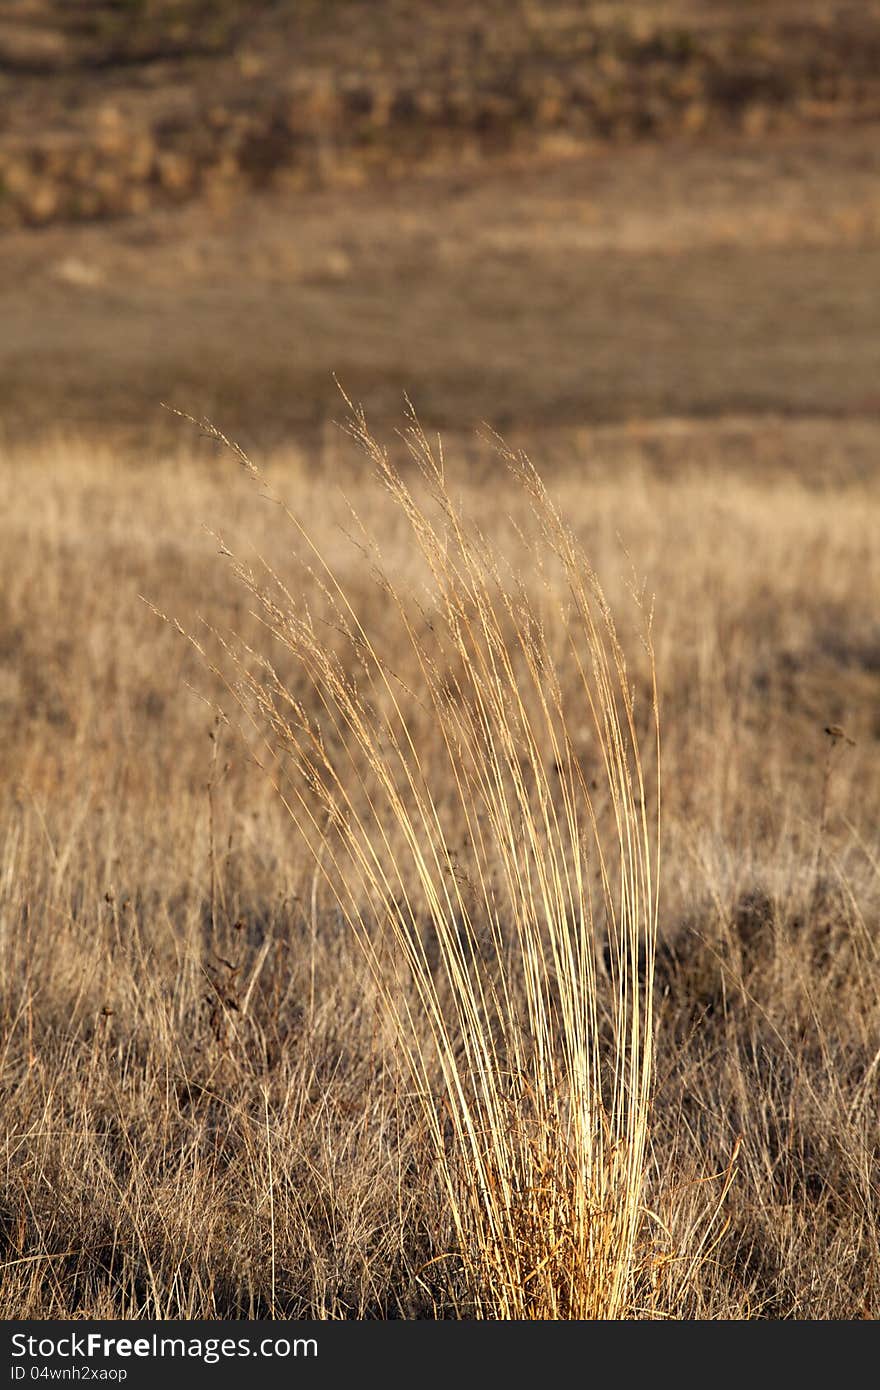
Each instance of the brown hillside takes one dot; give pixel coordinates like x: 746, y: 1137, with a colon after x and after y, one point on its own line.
x: 110, y: 108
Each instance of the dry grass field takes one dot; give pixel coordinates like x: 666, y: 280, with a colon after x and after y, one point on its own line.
x: 363, y: 952
x: 207, y: 1106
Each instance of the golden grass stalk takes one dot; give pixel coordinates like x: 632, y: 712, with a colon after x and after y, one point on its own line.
x: 510, y: 923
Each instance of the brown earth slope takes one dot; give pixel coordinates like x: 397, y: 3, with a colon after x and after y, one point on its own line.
x: 734, y: 279
x: 108, y: 108
x: 540, y: 215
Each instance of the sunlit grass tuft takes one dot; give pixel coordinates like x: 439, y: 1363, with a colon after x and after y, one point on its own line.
x: 490, y: 836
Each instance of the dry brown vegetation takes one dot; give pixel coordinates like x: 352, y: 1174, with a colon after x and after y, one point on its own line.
x: 208, y: 1109
x: 332, y: 978
x: 110, y: 108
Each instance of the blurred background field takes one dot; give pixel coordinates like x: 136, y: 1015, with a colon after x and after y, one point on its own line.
x: 643, y: 243
x: 539, y: 215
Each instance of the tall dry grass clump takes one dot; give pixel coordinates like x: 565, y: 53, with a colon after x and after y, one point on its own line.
x: 490, y: 834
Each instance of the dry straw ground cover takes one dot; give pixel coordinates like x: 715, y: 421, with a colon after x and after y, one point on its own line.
x: 416, y: 1036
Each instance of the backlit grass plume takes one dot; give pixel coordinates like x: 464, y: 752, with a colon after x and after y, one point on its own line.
x: 489, y: 831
